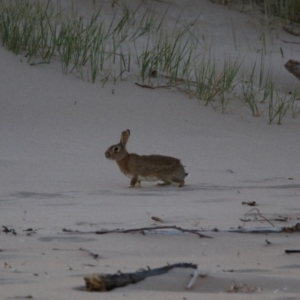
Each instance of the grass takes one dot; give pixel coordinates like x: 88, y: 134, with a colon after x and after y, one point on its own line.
x: 282, y: 104
x: 288, y: 10
x: 99, y: 49
x: 256, y: 89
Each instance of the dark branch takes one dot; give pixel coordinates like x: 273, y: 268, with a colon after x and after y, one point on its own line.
x: 108, y: 282
x: 142, y: 229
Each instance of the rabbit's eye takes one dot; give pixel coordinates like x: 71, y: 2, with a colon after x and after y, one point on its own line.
x: 116, y: 149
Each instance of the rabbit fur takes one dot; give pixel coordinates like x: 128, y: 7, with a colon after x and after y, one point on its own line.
x: 139, y: 168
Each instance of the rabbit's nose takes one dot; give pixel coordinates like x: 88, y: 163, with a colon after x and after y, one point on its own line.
x: 106, y: 154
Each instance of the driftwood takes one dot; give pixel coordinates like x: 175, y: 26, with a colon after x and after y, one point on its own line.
x: 256, y: 230
x: 108, y: 282
x: 293, y: 66
x: 289, y: 229
x: 142, y: 230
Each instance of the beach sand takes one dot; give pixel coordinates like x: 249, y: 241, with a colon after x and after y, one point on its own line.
x: 54, y: 130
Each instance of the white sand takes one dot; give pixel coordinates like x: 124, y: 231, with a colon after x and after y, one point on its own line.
x: 54, y: 130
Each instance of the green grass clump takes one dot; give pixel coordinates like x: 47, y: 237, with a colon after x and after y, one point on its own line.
x: 209, y: 83
x: 44, y: 32
x: 24, y: 27
x: 280, y: 104
x: 289, y: 10
x: 99, y: 49
x: 169, y: 55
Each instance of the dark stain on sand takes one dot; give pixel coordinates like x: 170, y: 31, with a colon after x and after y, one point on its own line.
x: 65, y: 239
x: 33, y: 195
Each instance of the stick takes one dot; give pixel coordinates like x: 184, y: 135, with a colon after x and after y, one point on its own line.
x: 259, y: 215
x: 253, y: 203
x: 153, y: 87
x: 6, y: 230
x: 142, y: 229
x: 290, y: 42
x: 193, y: 280
x: 290, y: 229
x: 145, y: 86
x: 292, y: 251
x: 284, y: 219
x: 95, y: 256
x: 157, y: 219
x: 108, y: 282
x: 256, y: 230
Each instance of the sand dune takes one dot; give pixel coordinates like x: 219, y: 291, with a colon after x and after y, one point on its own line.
x: 54, y: 129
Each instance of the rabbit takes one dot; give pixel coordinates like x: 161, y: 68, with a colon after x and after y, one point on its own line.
x: 146, y: 167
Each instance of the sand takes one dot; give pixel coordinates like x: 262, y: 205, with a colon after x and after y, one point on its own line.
x: 54, y: 130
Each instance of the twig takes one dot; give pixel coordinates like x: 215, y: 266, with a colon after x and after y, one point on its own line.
x: 153, y: 87
x: 262, y: 220
x: 259, y: 215
x: 290, y: 229
x: 142, y: 229
x: 6, y: 230
x: 95, y: 256
x: 145, y: 86
x: 157, y: 219
x: 268, y: 242
x: 290, y: 42
x: 89, y: 265
x: 252, y: 203
x: 256, y: 230
x: 292, y: 251
x: 193, y: 280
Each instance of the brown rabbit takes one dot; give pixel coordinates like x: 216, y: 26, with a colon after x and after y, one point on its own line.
x: 146, y: 167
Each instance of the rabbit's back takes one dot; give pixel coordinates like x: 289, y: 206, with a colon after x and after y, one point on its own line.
x: 155, y: 167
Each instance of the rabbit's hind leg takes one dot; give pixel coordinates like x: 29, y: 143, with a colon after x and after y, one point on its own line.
x: 164, y: 183
x: 178, y: 182
x: 135, y: 181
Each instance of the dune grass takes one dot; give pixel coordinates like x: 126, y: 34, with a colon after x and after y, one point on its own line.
x: 289, y: 10
x: 101, y: 49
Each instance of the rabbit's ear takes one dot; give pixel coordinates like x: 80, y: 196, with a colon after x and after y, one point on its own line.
x: 124, y: 137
